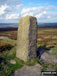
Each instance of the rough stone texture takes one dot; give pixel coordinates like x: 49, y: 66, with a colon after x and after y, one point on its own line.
x: 29, y: 71
x: 49, y: 58
x: 27, y: 38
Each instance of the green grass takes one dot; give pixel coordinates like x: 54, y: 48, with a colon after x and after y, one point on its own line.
x: 31, y: 62
x: 56, y: 68
x: 13, y: 42
x: 7, y: 56
x: 10, y: 70
x: 44, y: 67
x: 11, y: 55
x: 15, y: 66
x: 54, y: 49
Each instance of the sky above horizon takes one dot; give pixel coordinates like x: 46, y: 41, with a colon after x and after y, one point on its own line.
x: 44, y: 10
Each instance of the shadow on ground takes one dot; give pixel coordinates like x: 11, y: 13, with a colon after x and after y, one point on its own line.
x: 41, y: 50
x: 6, y: 47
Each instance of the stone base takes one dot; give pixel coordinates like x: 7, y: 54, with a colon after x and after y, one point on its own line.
x: 29, y: 71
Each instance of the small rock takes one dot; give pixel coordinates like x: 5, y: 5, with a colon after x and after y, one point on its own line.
x: 49, y: 58
x: 12, y: 61
x: 50, y: 51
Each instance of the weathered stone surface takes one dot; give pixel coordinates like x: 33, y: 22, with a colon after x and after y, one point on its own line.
x: 27, y: 38
x: 29, y: 71
x: 49, y: 58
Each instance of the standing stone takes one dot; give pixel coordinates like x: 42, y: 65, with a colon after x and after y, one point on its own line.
x: 27, y: 38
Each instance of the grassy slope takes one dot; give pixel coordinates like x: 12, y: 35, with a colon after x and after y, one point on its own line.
x: 8, y: 55
x: 48, y: 37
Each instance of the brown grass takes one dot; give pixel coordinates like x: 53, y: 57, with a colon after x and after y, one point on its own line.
x: 10, y: 34
x: 46, y: 36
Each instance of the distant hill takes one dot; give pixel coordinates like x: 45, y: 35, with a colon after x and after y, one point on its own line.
x: 8, y: 29
x: 47, y: 25
x: 14, y: 26
x: 5, y: 25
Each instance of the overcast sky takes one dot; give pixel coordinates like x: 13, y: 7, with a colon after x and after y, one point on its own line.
x: 43, y: 10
